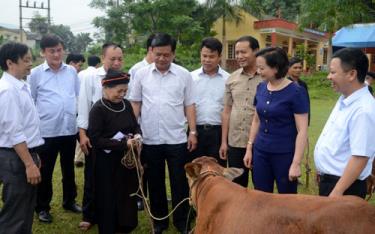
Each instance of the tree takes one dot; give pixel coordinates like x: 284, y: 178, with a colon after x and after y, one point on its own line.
x: 81, y: 41
x: 38, y: 24
x: 65, y: 34
x: 330, y: 15
x: 227, y: 10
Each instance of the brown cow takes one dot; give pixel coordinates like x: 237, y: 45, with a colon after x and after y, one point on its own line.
x: 224, y: 207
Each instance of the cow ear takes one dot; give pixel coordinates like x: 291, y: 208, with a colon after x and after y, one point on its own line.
x: 232, y: 172
x: 193, y: 169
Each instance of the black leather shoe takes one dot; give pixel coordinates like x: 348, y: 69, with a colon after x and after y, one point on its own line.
x: 45, y: 217
x: 140, y: 205
x: 73, y: 208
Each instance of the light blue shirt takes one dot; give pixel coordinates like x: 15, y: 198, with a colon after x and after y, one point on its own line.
x: 209, y: 96
x: 349, y: 131
x: 164, y: 98
x: 19, y: 120
x: 55, y: 95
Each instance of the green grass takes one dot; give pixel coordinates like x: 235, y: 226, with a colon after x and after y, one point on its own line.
x: 322, y: 102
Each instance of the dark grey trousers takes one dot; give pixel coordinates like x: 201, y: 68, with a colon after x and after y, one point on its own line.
x: 18, y: 196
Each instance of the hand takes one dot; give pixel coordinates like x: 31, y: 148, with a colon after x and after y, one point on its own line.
x: 192, y: 142
x: 130, y: 142
x: 294, y: 171
x: 248, y: 158
x: 33, y: 174
x: 335, y: 193
x: 84, y: 143
x: 223, y: 151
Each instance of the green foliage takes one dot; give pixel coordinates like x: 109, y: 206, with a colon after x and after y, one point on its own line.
x: 38, y: 24
x: 2, y: 39
x: 331, y: 15
x: 303, y: 54
x: 319, y: 86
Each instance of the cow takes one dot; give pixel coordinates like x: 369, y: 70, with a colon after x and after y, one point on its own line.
x: 224, y: 207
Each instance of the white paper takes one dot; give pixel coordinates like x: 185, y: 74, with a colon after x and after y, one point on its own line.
x: 118, y: 136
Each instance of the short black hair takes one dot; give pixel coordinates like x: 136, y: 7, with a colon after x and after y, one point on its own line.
x: 253, y: 43
x: 164, y: 39
x: 50, y: 40
x: 277, y: 58
x: 213, y: 44
x: 353, y: 58
x: 75, y: 58
x: 93, y: 60
x: 149, y: 40
x: 294, y: 60
x: 107, y: 45
x: 12, y: 51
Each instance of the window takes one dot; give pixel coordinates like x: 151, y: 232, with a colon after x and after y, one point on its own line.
x: 231, y: 54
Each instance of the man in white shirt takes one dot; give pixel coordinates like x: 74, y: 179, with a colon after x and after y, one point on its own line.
x: 91, y: 92
x: 209, y: 82
x: 163, y: 94
x: 93, y: 63
x: 54, y: 87
x: 145, y: 62
x: 345, y: 149
x: 19, y: 137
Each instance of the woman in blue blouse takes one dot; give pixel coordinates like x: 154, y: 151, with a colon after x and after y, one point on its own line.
x: 279, y: 129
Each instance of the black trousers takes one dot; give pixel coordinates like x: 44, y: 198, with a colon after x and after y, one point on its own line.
x: 88, y: 203
x: 154, y: 157
x: 65, y: 146
x: 209, y: 141
x: 18, y: 196
x: 235, y: 159
x: 328, y: 182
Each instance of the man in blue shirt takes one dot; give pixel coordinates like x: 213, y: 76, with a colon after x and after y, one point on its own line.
x: 345, y: 149
x: 54, y: 87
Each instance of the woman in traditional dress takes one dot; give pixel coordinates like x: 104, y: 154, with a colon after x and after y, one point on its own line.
x: 112, y: 125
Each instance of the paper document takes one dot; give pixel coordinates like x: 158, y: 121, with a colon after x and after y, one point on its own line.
x: 118, y: 136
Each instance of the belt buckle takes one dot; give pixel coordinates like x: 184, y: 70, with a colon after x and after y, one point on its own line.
x: 207, y: 126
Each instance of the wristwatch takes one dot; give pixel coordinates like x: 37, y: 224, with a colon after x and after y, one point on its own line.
x: 193, y: 132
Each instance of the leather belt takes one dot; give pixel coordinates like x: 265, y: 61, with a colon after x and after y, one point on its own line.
x: 208, y: 126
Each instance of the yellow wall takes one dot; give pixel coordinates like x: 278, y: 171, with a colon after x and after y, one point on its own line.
x: 235, y: 31
x: 12, y: 36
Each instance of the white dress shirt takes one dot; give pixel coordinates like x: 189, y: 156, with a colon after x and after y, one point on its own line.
x: 163, y: 97
x: 209, y: 96
x: 90, y: 92
x: 55, y: 95
x: 87, y: 72
x: 132, y: 72
x: 349, y: 131
x: 19, y: 120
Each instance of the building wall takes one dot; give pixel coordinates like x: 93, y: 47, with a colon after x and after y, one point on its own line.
x: 246, y: 27
x: 235, y: 31
x: 10, y: 35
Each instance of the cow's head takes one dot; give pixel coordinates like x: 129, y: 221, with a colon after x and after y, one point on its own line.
x: 204, y: 166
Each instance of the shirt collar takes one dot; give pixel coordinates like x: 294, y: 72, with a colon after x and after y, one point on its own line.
x: 220, y: 71
x: 172, y: 68
x: 353, y: 97
x: 47, y: 67
x: 246, y: 74
x: 19, y: 84
x: 101, y: 71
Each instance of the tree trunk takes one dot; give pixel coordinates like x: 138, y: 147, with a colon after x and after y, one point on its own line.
x: 224, y: 41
